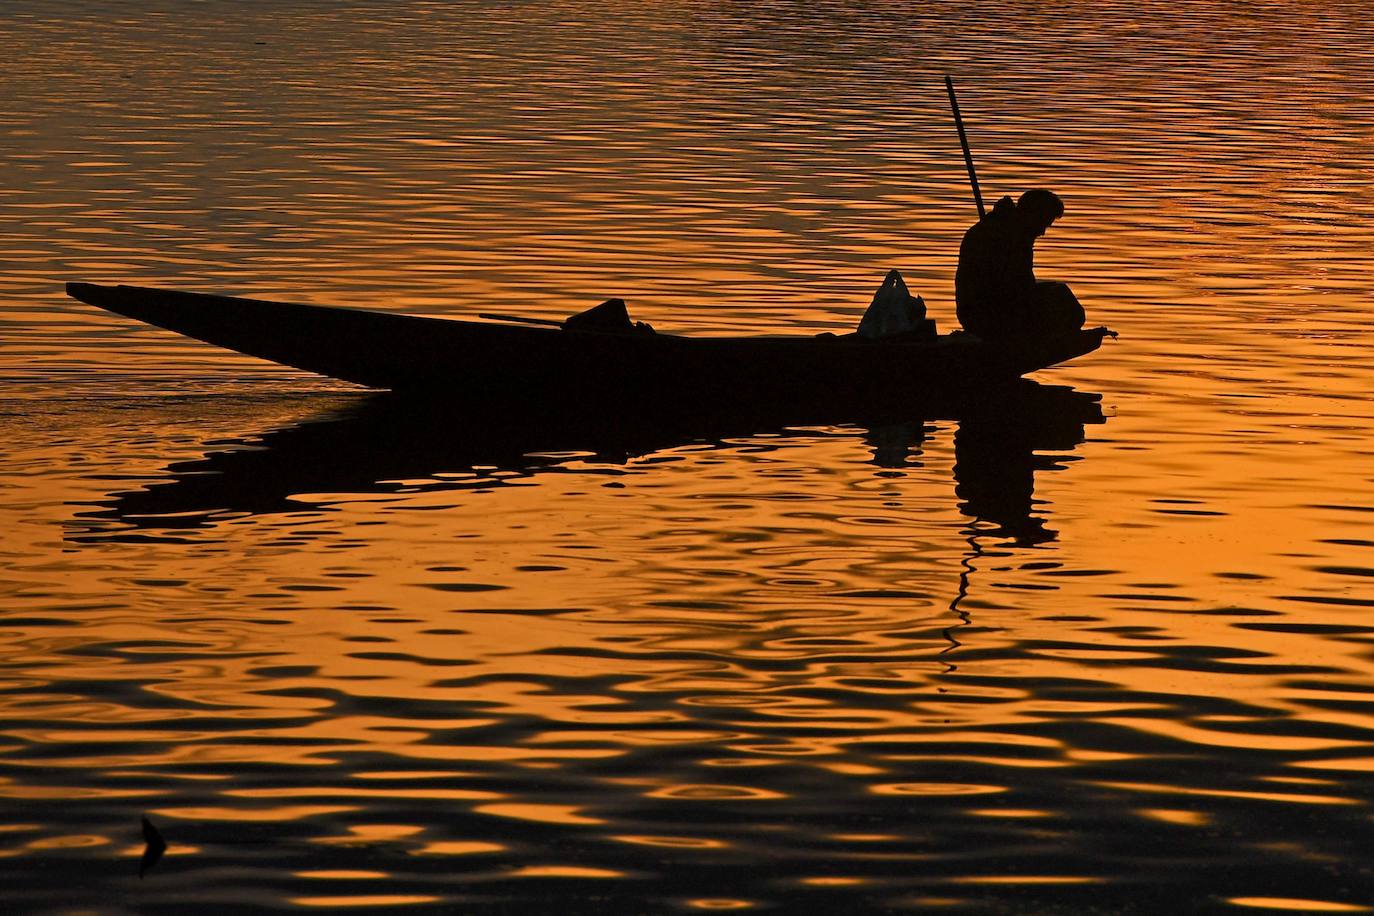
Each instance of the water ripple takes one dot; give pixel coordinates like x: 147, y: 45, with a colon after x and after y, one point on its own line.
x: 346, y: 655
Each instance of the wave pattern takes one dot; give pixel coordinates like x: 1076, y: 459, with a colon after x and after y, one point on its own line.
x: 345, y: 656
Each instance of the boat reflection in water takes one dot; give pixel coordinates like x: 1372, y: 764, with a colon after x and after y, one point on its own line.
x: 376, y: 444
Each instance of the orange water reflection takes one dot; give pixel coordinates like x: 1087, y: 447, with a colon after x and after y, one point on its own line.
x: 815, y: 662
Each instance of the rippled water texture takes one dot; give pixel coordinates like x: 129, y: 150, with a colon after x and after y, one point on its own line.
x: 1105, y: 648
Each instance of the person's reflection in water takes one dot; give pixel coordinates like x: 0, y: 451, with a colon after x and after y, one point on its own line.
x: 994, y: 477
x: 995, y: 460
x: 995, y: 457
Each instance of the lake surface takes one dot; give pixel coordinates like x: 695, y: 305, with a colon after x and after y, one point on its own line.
x: 1110, y: 650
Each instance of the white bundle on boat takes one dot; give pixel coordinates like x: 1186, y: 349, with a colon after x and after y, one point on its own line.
x: 895, y: 311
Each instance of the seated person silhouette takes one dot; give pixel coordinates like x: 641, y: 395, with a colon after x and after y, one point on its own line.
x: 997, y: 296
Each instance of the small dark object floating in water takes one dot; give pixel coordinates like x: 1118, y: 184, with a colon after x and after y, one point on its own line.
x: 481, y: 361
x: 153, y: 847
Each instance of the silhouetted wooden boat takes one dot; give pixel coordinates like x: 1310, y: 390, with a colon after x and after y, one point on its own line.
x: 480, y: 360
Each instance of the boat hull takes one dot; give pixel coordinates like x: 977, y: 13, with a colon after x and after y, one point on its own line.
x: 498, y: 361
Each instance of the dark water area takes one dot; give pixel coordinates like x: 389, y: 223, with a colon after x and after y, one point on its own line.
x: 1100, y: 644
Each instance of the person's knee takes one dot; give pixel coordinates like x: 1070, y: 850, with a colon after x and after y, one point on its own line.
x: 1072, y: 315
x: 1059, y: 307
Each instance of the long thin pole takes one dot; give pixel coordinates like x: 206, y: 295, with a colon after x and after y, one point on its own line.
x: 963, y: 141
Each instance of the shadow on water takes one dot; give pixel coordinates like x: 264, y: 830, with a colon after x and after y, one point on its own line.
x: 377, y: 444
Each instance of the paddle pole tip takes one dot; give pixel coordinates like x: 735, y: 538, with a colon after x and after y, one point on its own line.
x: 963, y: 142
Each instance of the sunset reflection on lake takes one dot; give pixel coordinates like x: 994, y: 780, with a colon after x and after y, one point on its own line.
x: 1107, y: 648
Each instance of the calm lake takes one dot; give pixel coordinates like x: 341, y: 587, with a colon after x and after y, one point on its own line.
x: 1109, y: 651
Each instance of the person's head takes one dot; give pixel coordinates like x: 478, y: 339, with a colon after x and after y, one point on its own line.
x: 1041, y: 207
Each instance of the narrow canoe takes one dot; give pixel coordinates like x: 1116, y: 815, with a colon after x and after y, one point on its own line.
x: 475, y: 360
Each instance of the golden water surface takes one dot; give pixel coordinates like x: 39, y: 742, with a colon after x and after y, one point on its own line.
x: 1112, y: 649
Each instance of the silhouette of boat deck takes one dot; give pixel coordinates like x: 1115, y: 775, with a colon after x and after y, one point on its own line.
x: 477, y: 360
